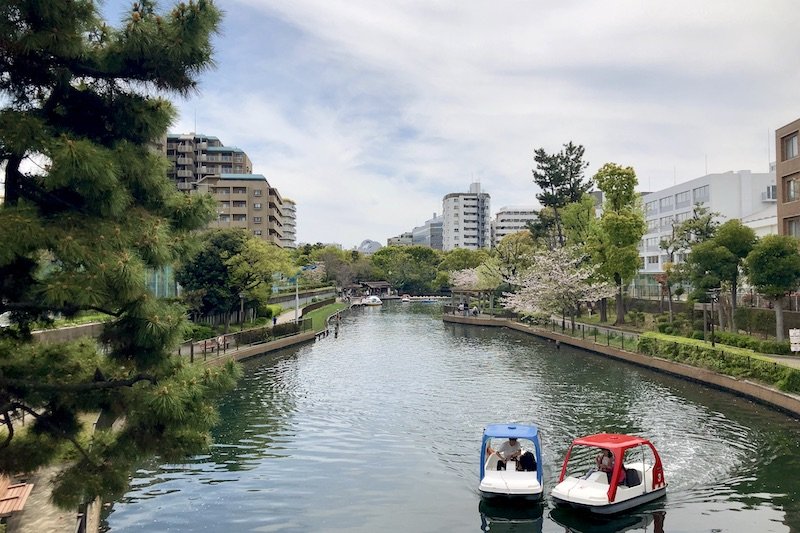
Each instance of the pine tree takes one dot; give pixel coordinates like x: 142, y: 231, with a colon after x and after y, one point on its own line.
x: 88, y: 211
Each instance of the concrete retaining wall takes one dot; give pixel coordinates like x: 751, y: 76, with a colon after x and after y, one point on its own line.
x: 259, y: 349
x: 769, y: 396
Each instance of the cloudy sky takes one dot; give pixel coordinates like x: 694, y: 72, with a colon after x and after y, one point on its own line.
x: 367, y: 112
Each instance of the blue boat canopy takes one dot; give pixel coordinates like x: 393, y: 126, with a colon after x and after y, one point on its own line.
x: 519, y: 431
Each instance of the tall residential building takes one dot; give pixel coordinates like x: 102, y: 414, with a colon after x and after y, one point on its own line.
x: 787, y: 172
x: 404, y: 239
x: 194, y: 156
x: 429, y: 234
x: 467, y: 221
x: 289, y: 239
x: 510, y: 220
x: 743, y: 195
x: 246, y: 201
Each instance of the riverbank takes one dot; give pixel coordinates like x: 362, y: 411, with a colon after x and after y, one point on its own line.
x: 785, y: 402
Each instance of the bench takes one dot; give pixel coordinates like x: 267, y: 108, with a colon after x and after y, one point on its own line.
x: 13, y: 496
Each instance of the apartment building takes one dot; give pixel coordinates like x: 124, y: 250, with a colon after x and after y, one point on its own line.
x: 246, y: 201
x: 466, y: 221
x: 511, y: 219
x: 429, y: 234
x: 744, y: 195
x: 787, y: 172
x: 289, y: 239
x: 194, y: 156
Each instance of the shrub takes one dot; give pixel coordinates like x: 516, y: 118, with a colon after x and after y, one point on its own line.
x: 698, y: 334
x: 198, y: 331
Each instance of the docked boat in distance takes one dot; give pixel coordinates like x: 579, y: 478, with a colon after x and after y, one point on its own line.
x: 626, y: 473
x: 406, y: 298
x: 521, y: 478
x: 371, y: 300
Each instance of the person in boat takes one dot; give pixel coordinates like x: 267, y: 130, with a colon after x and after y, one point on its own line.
x: 605, y: 462
x: 507, y: 451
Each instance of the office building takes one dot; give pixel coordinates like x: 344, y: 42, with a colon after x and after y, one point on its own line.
x: 429, y: 234
x: 466, y: 221
x: 744, y: 195
x: 404, y: 239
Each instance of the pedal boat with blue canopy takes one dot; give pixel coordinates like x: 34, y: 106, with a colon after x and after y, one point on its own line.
x: 634, y: 478
x: 521, y: 479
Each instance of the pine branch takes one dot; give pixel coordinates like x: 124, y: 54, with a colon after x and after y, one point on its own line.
x: 76, y: 387
x: 10, y: 426
x: 70, y: 438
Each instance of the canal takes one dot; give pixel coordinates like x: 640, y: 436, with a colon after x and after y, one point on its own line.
x: 379, y: 430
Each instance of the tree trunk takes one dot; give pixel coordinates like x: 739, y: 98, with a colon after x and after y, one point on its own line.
x: 734, y: 290
x: 620, y: 302
x: 227, y: 321
x: 604, y: 310
x: 572, y: 319
x: 779, y: 318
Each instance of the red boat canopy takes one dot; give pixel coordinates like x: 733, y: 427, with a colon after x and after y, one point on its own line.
x: 611, y: 441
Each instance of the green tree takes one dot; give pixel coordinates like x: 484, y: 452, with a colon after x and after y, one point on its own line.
x: 773, y: 268
x: 232, y: 265
x: 411, y: 269
x: 578, y: 219
x: 560, y: 178
x: 88, y: 210
x: 462, y: 259
x: 614, y: 243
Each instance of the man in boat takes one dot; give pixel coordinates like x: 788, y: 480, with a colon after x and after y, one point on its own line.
x: 509, y: 450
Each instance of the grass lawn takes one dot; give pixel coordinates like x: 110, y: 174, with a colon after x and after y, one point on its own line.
x: 319, y: 316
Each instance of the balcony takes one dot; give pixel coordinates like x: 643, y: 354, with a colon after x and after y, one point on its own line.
x: 185, y: 173
x: 185, y: 148
x: 185, y: 161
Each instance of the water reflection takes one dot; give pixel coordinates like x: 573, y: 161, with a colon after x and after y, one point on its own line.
x: 577, y: 522
x: 511, y: 516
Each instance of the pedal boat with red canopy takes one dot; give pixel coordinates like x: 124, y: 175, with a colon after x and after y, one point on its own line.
x: 521, y: 479
x: 628, y: 485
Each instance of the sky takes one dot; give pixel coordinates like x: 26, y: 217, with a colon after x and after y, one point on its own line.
x: 367, y: 113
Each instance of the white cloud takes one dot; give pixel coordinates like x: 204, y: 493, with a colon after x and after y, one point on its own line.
x: 367, y: 114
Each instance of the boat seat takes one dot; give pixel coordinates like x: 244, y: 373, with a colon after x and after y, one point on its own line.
x: 632, y: 477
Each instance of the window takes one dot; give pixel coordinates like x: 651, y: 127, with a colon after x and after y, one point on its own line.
x: 257, y: 206
x: 256, y: 192
x: 789, y: 144
x: 651, y: 243
x: 652, y: 225
x: 682, y: 199
x: 256, y: 232
x: 239, y: 203
x: 700, y: 194
x: 651, y: 208
x: 256, y: 220
x: 681, y: 217
x: 666, y: 222
x: 224, y: 218
x: 665, y: 204
x: 791, y: 188
x: 793, y: 226
x: 652, y: 259
x: 239, y: 190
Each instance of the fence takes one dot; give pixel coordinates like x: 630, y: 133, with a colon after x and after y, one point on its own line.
x: 217, y: 346
x: 603, y: 335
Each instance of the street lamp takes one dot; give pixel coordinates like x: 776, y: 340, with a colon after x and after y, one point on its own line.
x: 241, y: 311
x: 713, y: 295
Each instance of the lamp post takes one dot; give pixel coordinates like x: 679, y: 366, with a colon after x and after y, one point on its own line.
x: 241, y: 311
x: 713, y: 294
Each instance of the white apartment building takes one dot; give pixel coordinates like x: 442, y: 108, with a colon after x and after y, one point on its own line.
x: 289, y: 239
x: 467, y: 223
x: 511, y: 219
x: 744, y: 195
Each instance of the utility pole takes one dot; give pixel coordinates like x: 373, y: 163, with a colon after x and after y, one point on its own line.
x: 296, y: 302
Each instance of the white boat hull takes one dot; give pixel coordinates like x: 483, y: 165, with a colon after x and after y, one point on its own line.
x: 510, y: 484
x: 591, y: 493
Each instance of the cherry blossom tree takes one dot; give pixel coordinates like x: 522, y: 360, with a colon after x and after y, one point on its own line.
x: 557, y: 282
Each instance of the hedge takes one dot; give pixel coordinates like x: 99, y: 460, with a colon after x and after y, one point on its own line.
x: 726, y: 360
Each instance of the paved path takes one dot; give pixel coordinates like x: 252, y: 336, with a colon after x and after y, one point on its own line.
x: 39, y: 515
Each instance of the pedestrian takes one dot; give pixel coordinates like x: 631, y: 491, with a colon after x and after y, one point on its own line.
x: 274, y: 321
